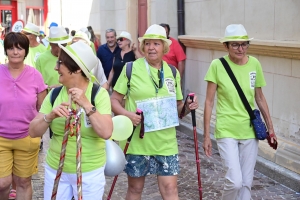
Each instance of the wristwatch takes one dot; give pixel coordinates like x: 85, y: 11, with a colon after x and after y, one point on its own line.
x: 92, y: 111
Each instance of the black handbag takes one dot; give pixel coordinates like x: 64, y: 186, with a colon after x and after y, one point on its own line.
x: 255, y: 118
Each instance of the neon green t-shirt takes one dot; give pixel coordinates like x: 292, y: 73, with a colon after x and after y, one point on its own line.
x: 93, y: 153
x: 46, y: 64
x: 33, y: 54
x: 93, y: 47
x: 232, y: 119
x: 162, y: 142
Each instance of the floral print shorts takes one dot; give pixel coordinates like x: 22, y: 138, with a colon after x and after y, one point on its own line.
x: 138, y: 165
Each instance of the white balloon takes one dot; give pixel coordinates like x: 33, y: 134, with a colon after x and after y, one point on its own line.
x: 115, y: 159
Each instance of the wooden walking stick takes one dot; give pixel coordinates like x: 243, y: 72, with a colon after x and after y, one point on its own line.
x: 191, y: 96
x: 68, y: 128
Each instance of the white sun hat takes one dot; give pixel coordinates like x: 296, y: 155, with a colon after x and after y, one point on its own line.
x: 126, y: 35
x: 235, y: 32
x: 155, y: 32
x: 83, y: 55
x: 58, y: 35
x: 32, y: 28
x: 86, y: 31
x: 82, y: 35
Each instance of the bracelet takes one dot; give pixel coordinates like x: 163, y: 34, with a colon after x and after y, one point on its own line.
x: 46, y: 120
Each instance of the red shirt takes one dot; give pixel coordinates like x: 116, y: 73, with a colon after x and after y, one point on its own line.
x: 175, y: 55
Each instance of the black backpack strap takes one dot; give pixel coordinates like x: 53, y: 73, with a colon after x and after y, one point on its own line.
x: 174, y: 72
x: 128, y: 75
x: 54, y: 94
x: 238, y: 88
x: 95, y: 90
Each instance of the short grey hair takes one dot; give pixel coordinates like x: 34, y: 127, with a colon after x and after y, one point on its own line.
x: 110, y: 30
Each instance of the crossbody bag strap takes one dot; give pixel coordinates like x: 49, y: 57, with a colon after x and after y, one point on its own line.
x: 238, y: 88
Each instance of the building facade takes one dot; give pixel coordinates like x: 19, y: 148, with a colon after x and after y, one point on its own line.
x: 273, y: 24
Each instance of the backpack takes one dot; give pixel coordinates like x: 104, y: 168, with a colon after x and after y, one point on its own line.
x: 57, y: 90
x: 129, y: 70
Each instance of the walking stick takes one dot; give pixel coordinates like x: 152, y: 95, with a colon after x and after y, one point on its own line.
x: 138, y: 112
x: 68, y: 128
x: 191, y: 95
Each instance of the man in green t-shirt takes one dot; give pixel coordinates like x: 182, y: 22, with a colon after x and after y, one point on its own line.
x: 32, y: 31
x: 47, y: 60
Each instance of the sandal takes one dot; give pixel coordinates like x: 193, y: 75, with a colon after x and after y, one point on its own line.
x: 12, y: 194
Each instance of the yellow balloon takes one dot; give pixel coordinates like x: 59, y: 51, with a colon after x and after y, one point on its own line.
x: 123, y: 127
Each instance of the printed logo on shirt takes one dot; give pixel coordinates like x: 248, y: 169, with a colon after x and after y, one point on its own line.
x: 170, y: 83
x: 37, y: 55
x: 252, y: 77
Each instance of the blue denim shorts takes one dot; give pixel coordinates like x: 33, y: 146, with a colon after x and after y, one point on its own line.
x: 138, y: 165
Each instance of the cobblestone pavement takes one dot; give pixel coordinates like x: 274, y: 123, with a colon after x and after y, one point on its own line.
x: 263, y: 188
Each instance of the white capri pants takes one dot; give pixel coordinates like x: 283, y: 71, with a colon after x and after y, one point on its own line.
x: 92, y: 184
x: 239, y: 159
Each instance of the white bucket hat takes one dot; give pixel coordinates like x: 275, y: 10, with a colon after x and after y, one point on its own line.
x: 58, y: 35
x: 126, y: 35
x: 86, y: 31
x: 83, y: 55
x: 82, y: 35
x: 235, y: 32
x: 155, y: 32
x: 32, y: 28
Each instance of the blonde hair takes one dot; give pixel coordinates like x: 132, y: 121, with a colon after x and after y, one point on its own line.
x: 165, y: 44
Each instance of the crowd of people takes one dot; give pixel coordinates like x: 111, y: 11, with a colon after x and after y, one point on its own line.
x: 52, y: 79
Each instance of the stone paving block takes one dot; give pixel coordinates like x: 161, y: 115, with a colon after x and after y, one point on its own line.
x: 211, y: 178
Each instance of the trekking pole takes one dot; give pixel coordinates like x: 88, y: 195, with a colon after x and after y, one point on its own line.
x: 196, y: 146
x: 191, y: 95
x: 138, y: 112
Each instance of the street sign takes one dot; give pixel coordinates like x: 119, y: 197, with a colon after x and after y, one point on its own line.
x: 18, y: 26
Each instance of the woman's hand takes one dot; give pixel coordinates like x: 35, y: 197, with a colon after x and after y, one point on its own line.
x: 192, y: 105
x: 78, y: 97
x: 135, y: 118
x: 59, y: 111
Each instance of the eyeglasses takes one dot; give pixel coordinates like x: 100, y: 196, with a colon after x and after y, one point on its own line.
x: 121, y: 39
x: 58, y: 63
x: 236, y: 46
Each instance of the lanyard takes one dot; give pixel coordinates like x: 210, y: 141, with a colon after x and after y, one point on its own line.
x: 161, y: 77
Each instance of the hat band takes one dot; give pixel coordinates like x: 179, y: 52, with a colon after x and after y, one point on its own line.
x: 244, y: 37
x: 26, y: 29
x: 154, y: 36
x: 58, y: 39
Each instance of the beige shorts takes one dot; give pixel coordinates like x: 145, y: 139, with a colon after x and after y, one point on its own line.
x: 19, y: 157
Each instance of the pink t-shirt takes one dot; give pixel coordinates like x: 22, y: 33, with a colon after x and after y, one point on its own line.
x: 175, y: 55
x: 18, y: 101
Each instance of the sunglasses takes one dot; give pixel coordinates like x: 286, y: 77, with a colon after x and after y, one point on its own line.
x: 121, y: 39
x: 160, y: 75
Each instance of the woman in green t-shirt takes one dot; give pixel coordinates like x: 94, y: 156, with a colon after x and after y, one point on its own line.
x: 73, y: 66
x: 155, y: 91
x: 235, y: 136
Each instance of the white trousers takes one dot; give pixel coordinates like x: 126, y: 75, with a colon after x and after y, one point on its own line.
x: 239, y: 159
x: 92, y: 185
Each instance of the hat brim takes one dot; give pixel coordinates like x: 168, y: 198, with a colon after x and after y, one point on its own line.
x: 78, y: 62
x: 28, y: 31
x: 141, y: 39
x: 222, y: 40
x: 60, y: 42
